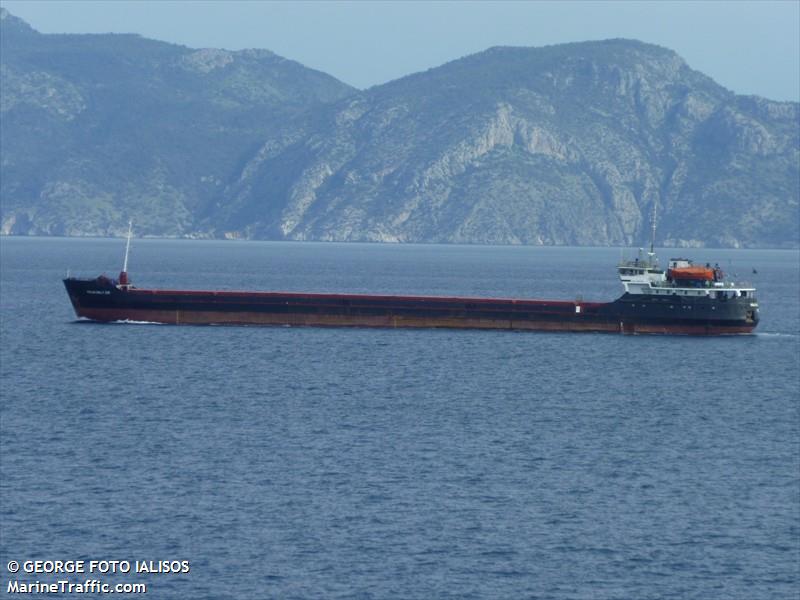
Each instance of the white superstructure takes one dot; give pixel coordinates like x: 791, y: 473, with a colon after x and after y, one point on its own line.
x: 644, y: 276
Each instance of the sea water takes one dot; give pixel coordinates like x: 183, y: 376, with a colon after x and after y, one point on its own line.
x: 375, y: 463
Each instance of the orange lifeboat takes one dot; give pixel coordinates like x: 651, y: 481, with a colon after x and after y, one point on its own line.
x: 691, y: 273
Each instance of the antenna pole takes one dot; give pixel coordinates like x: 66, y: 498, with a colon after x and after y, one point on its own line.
x: 653, y: 237
x: 127, y: 247
x: 123, y: 276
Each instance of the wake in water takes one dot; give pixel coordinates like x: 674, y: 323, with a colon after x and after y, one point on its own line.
x: 777, y: 335
x: 84, y: 321
x: 129, y: 322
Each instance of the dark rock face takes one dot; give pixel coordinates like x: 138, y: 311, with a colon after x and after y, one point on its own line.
x: 568, y: 144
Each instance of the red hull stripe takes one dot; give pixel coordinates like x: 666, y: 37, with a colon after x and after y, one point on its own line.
x: 178, y: 317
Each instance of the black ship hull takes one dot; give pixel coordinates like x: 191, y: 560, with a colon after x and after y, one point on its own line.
x: 102, y: 300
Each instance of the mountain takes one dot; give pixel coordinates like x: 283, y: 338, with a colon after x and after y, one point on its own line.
x: 567, y: 144
x: 95, y: 129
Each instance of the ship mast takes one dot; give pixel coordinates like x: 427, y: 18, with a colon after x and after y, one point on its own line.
x: 652, y: 253
x: 123, y: 276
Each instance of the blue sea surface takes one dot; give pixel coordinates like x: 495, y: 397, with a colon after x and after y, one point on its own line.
x: 413, y: 464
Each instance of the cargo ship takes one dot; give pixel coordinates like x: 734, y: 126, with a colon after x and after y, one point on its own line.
x: 684, y: 298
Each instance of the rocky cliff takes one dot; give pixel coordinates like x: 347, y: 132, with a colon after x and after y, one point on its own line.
x: 571, y: 144
x: 567, y: 144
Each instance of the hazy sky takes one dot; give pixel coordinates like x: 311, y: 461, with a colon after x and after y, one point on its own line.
x: 749, y: 47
